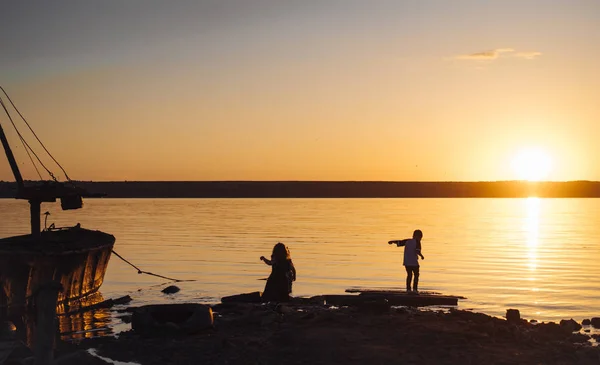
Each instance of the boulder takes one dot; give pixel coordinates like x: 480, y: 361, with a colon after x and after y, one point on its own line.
x: 254, y: 297
x: 578, y: 338
x: 233, y: 308
x: 551, y: 331
x: 588, y: 355
x: 595, y: 322
x: 586, y: 322
x: 186, y: 318
x: 171, y: 289
x: 375, y: 306
x: 270, y: 319
x: 284, y: 309
x: 513, y: 315
x: 122, y: 300
x: 570, y: 325
x: 317, y: 300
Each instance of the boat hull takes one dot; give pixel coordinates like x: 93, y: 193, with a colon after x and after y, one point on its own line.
x: 75, y: 257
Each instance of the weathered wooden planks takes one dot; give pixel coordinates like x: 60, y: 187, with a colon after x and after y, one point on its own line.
x: 393, y: 299
x: 395, y: 291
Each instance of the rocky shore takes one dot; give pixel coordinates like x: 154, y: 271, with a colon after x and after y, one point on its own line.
x: 301, y: 333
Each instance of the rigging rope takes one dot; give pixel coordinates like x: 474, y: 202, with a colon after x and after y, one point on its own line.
x: 35, y: 135
x: 146, y: 272
x: 25, y: 144
x: 33, y: 163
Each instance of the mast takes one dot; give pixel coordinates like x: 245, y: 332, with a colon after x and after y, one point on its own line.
x: 11, y: 160
x: 34, y: 204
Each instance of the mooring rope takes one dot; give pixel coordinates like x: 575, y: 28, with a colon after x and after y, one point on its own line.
x: 140, y: 271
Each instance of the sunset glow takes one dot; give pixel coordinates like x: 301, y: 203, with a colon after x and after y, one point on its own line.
x: 532, y: 165
x: 332, y: 90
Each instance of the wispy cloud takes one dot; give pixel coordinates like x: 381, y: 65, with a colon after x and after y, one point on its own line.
x: 494, y: 54
x: 485, y: 55
x: 528, y: 55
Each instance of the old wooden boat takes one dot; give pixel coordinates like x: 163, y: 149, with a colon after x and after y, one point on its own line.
x: 74, y: 256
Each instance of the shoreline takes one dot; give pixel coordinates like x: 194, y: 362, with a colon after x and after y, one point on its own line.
x: 301, y: 333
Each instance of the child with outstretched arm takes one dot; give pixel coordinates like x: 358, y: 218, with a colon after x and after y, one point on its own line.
x: 412, y: 252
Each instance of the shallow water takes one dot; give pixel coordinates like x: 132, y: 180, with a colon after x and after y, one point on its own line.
x: 538, y: 255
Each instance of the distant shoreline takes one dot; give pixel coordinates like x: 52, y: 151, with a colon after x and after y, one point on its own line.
x: 332, y: 189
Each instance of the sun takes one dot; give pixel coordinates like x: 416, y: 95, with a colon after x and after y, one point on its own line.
x: 532, y: 164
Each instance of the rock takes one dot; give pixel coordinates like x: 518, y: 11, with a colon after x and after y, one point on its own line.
x: 171, y: 289
x: 486, y: 327
x: 270, y: 319
x: 232, y: 308
x: 533, y: 321
x: 551, y: 331
x: 79, y: 357
x: 186, y: 318
x: 595, y: 322
x: 309, y: 315
x: 123, y: 300
x: 588, y: 355
x: 284, y: 338
x: 317, y: 300
x: 578, y: 338
x: 375, y: 306
x: 254, y: 297
x: 503, y: 332
x: 323, y: 317
x: 284, y: 309
x: 571, y: 325
x: 586, y: 322
x: 513, y: 315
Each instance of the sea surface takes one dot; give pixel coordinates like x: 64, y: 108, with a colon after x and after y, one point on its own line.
x: 541, y: 256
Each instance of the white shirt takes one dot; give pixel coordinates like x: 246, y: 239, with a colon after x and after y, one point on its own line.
x: 410, y: 253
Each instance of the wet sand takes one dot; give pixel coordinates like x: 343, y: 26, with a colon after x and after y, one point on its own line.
x: 311, y: 334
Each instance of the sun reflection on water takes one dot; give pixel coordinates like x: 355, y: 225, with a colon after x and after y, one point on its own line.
x: 532, y: 226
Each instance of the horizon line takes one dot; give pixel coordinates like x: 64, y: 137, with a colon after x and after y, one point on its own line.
x: 323, y: 181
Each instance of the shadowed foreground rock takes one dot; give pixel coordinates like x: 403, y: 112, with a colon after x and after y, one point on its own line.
x: 172, y: 319
x: 310, y: 334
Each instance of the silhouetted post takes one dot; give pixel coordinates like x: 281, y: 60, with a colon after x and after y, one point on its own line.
x: 35, y: 211
x: 45, y: 301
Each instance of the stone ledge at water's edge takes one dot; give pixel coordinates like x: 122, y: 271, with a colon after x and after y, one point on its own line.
x: 306, y: 333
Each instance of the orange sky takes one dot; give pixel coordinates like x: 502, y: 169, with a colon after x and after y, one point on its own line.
x: 331, y: 90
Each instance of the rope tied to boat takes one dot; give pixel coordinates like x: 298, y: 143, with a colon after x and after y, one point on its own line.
x: 140, y: 271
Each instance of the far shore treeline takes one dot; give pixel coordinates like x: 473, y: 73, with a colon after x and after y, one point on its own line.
x: 331, y: 189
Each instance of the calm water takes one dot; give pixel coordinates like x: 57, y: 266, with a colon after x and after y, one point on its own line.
x: 538, y: 255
